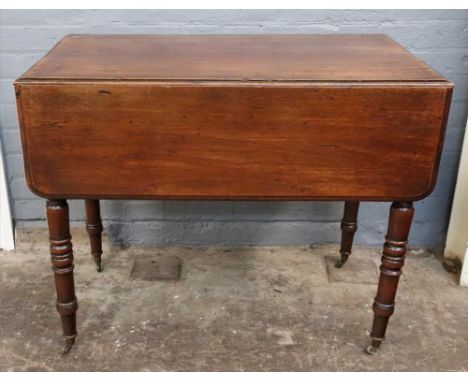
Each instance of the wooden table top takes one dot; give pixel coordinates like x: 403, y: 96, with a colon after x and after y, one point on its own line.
x: 297, y: 117
x: 311, y: 58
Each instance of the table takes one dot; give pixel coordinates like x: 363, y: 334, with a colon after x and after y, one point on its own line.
x: 278, y: 117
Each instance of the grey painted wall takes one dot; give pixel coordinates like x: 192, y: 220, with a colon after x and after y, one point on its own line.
x: 438, y: 37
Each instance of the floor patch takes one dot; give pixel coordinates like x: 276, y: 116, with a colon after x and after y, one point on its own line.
x: 156, y: 267
x: 357, y: 270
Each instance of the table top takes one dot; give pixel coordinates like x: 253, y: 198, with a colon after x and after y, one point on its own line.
x: 310, y: 58
x: 296, y: 117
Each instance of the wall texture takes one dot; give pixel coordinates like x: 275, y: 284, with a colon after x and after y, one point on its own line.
x: 438, y: 37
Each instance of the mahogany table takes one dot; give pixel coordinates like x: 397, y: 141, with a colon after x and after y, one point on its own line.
x: 291, y: 117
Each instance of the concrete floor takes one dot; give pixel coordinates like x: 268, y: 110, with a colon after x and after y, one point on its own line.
x: 252, y: 309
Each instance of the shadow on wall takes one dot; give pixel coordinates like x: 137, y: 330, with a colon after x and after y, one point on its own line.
x: 202, y: 223
x: 222, y: 222
x: 241, y: 223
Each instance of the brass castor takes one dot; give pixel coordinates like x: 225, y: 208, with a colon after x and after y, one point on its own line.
x: 97, y: 261
x: 372, y: 348
x: 68, y: 345
x: 99, y: 267
x: 341, y: 262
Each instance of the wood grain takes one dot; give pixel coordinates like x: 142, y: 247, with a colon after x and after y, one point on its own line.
x: 349, y: 227
x: 232, y: 57
x: 61, y: 252
x: 393, y: 258
x: 212, y: 140
x: 94, y: 228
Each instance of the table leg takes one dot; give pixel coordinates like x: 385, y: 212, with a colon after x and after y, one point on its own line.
x: 348, y: 229
x: 61, y: 252
x: 94, y: 228
x: 394, y: 250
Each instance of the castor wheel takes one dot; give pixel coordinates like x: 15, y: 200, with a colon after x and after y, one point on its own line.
x: 341, y: 262
x: 68, y: 345
x: 97, y: 261
x: 373, y: 347
x: 99, y: 267
x: 371, y: 350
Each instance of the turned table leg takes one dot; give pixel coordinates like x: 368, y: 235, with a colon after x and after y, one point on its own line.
x: 62, y: 265
x: 394, y: 250
x: 94, y: 228
x: 348, y: 229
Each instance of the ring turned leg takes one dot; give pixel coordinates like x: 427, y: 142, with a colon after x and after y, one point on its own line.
x: 94, y: 228
x: 401, y: 216
x: 348, y: 229
x: 62, y: 265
